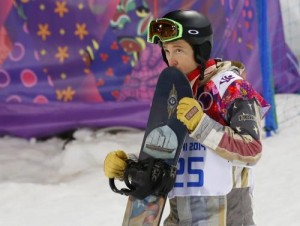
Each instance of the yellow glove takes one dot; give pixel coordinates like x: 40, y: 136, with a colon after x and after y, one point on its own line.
x: 115, y: 164
x: 189, y: 112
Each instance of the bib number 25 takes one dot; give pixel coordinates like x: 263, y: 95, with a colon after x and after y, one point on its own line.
x: 189, y: 166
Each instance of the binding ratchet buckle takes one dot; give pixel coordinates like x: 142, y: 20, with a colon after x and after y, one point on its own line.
x: 146, y: 177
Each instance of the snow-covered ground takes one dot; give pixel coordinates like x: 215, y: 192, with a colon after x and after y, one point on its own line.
x: 54, y: 183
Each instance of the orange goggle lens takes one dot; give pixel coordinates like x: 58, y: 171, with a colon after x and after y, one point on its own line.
x: 163, y: 29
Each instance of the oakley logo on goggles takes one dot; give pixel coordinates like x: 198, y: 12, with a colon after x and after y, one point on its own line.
x: 164, y: 29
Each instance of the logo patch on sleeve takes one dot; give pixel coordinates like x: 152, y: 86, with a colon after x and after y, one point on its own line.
x: 223, y: 80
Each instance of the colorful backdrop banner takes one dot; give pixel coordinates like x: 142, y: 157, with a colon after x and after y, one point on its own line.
x: 67, y: 64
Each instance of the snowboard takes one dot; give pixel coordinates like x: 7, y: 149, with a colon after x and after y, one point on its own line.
x: 163, y: 139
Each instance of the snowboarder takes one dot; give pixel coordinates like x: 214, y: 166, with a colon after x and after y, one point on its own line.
x: 214, y: 181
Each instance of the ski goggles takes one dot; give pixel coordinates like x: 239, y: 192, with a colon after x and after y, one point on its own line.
x: 164, y: 29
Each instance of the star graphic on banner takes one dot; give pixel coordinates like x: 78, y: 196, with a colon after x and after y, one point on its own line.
x: 69, y: 93
x: 81, y: 31
x: 61, y: 8
x: 62, y: 53
x: 65, y: 94
x: 43, y: 31
x: 59, y: 94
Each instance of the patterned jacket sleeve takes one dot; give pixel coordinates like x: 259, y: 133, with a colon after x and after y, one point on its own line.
x: 240, y: 140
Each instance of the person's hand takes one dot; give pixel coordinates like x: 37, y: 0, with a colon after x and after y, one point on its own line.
x: 189, y: 112
x: 115, y: 164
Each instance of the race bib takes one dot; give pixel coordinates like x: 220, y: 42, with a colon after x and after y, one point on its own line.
x: 201, y: 172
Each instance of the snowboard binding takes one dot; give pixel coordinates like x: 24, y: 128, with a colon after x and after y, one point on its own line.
x: 146, y: 177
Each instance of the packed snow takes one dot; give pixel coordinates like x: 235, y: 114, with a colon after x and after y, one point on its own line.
x: 57, y: 182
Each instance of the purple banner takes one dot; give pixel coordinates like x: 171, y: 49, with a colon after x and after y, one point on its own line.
x: 85, y: 63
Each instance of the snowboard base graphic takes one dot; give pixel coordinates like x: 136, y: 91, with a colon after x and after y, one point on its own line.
x: 163, y: 139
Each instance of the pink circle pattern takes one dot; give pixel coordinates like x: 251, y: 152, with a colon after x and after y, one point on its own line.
x: 40, y: 99
x: 14, y: 99
x: 28, y: 78
x: 18, y: 52
x: 4, y: 78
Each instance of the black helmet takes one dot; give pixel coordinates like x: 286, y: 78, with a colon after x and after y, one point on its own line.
x: 196, y: 30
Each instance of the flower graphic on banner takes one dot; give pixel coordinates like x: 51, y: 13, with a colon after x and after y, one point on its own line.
x: 65, y: 94
x: 43, y: 31
x: 62, y: 53
x: 61, y: 8
x: 81, y: 31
